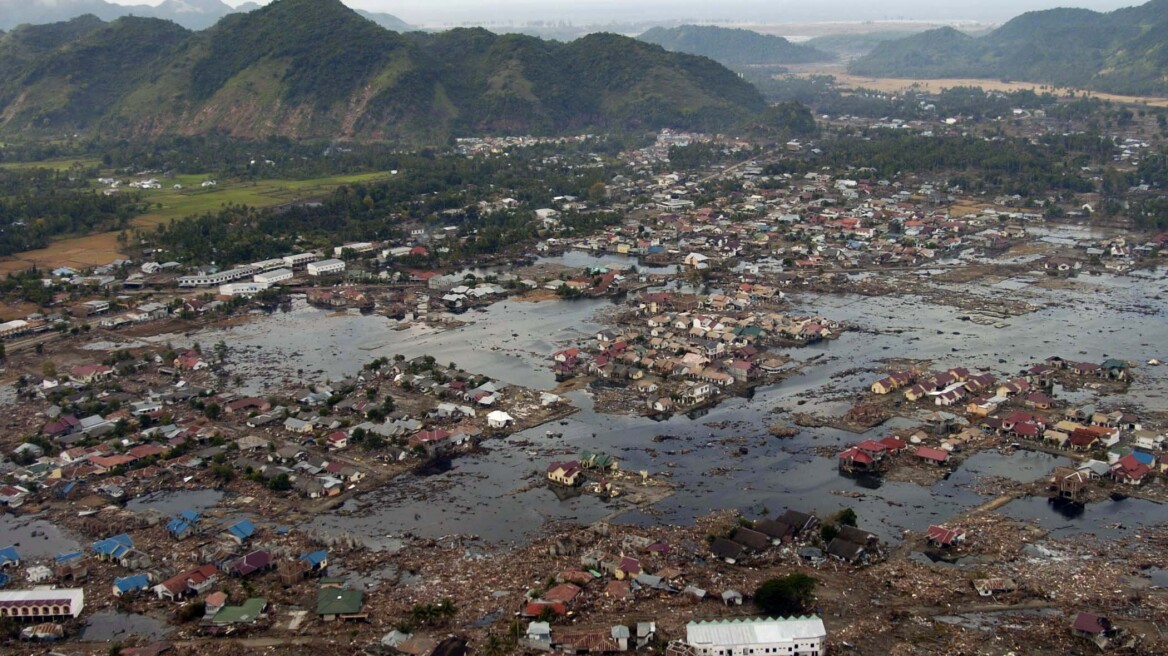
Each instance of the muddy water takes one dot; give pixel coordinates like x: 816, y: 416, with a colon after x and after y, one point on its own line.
x: 486, y: 494
x: 173, y: 502
x: 35, y: 538
x: 109, y: 626
x: 1104, y: 519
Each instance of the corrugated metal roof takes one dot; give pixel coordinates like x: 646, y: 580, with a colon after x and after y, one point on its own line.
x: 754, y: 631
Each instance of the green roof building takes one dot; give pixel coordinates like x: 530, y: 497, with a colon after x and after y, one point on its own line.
x: 247, y: 613
x: 339, y: 603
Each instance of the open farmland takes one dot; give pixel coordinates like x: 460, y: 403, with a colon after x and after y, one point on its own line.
x: 170, y: 204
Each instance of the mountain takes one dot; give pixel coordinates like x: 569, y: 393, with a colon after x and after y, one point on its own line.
x: 388, y: 21
x: 733, y: 47
x: 1124, y: 51
x: 191, y: 14
x: 315, y: 68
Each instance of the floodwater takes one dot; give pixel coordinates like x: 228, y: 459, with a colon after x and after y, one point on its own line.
x: 173, y: 502
x: 34, y: 537
x: 107, y: 626
x: 1105, y: 519
x: 492, y: 494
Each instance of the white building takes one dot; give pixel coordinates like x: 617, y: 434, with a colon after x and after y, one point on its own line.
x: 299, y: 259
x: 325, y: 267
x: 356, y: 247
x: 268, y: 265
x: 42, y: 602
x: 793, y: 636
x: 273, y: 277
x: 212, y: 279
x: 13, y: 328
x: 242, y: 288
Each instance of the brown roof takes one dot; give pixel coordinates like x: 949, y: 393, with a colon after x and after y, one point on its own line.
x: 751, y: 539
x: 618, y: 590
x: 564, y: 592
x: 1091, y: 623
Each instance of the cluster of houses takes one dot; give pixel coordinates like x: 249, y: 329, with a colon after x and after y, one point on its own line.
x: 1078, y: 429
x: 158, y: 434
x: 682, y: 349
x: 226, y: 551
x: 746, y: 543
x: 811, y: 223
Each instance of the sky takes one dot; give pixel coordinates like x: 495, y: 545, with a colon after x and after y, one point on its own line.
x: 433, y: 13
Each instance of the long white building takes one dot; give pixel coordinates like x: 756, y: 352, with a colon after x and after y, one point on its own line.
x: 325, y: 267
x: 299, y: 259
x: 220, y: 278
x: 242, y: 288
x: 273, y: 277
x: 42, y: 602
x: 792, y: 636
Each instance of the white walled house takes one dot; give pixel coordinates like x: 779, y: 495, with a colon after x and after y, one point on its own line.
x: 792, y: 636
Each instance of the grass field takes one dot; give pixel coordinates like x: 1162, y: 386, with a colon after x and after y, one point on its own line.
x: 58, y: 164
x: 102, y: 248
x: 194, y: 199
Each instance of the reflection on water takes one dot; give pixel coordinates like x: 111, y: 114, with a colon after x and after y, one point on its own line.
x: 1105, y: 519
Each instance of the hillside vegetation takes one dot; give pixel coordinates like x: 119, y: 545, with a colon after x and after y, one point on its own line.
x: 1123, y: 52
x: 733, y: 47
x: 314, y: 68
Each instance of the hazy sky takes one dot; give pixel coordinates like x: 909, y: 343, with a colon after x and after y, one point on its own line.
x: 449, y: 12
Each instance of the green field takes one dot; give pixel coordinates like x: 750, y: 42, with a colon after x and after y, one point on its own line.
x: 102, y: 247
x: 193, y: 198
x: 58, y: 164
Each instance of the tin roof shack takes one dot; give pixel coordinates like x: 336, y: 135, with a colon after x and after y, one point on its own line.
x: 795, y: 636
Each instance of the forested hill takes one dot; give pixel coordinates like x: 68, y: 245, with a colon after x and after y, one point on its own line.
x: 314, y: 68
x: 1124, y: 51
x: 733, y: 47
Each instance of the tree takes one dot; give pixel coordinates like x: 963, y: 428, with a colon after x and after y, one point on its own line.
x: 212, y: 411
x: 280, y: 483
x: 223, y: 472
x: 846, y: 517
x: 828, y: 532
x: 784, y: 596
x: 597, y: 193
